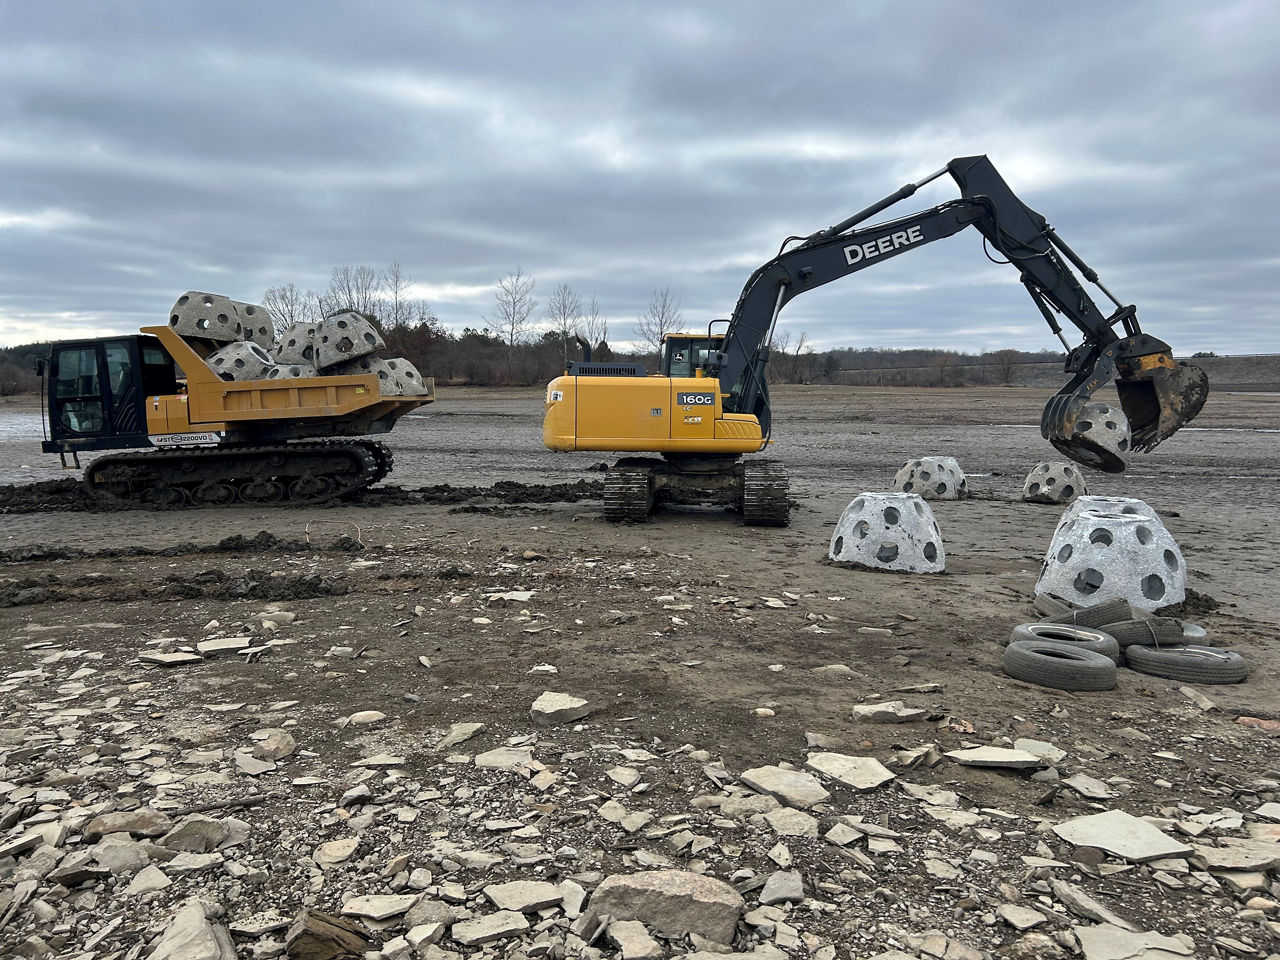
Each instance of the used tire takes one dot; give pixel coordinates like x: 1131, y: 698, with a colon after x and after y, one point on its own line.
x: 1100, y: 614
x: 1189, y: 663
x: 1059, y: 666
x: 1153, y: 632
x: 1050, y: 606
x: 1077, y: 638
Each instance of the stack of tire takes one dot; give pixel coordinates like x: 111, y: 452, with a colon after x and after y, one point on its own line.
x: 1082, y: 648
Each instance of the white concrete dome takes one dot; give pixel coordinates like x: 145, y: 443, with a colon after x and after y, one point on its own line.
x: 343, y: 337
x: 1126, y: 506
x: 934, y: 478
x: 244, y: 360
x: 389, y: 385
x: 207, y: 315
x: 257, y: 323
x: 889, y: 531
x: 1099, y: 555
x: 291, y: 371
x: 1053, y: 481
x: 297, y: 344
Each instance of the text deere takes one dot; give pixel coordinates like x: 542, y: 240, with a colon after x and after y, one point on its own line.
x: 887, y: 244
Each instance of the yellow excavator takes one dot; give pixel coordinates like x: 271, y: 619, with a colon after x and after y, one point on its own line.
x: 709, y: 402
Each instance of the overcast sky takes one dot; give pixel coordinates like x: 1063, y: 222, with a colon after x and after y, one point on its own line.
x: 151, y: 148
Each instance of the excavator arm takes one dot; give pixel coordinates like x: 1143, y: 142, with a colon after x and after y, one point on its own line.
x: 1157, y: 394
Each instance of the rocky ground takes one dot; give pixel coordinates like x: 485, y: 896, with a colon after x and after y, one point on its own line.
x: 327, y: 732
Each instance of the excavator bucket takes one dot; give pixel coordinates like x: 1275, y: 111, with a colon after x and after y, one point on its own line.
x: 1160, y: 395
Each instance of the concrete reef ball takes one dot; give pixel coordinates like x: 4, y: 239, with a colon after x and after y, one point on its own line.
x: 343, y: 337
x: 1126, y: 506
x: 291, y: 371
x: 297, y: 344
x: 1053, y: 481
x: 934, y: 478
x: 889, y: 531
x: 257, y: 323
x: 1104, y: 425
x: 389, y: 385
x: 1100, y: 555
x: 207, y: 315
x: 408, y: 375
x: 241, y: 361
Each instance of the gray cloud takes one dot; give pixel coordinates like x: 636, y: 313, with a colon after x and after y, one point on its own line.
x: 150, y: 148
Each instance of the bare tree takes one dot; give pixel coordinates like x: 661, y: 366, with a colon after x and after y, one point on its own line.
x: 353, y: 288
x: 595, y: 326
x: 515, y: 304
x: 288, y: 305
x: 1004, y: 364
x: 397, y: 311
x: 564, y: 309
x: 660, y: 317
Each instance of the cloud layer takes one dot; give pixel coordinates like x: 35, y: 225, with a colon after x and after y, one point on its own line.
x: 151, y: 148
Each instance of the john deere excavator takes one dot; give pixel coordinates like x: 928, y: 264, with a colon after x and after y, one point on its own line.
x: 709, y: 403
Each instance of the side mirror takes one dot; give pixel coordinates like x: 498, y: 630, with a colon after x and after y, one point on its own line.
x: 40, y: 365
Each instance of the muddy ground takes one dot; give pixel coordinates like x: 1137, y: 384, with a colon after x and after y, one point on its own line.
x: 664, y: 626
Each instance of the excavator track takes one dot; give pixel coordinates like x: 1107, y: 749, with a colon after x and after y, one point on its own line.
x: 628, y: 494
x: 764, y: 494
x: 299, y: 473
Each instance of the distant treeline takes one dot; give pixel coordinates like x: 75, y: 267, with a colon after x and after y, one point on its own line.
x: 480, y: 357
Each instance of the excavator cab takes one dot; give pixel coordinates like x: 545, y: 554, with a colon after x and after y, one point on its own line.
x: 685, y: 354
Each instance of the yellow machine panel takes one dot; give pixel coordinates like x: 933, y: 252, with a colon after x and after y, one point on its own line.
x: 659, y: 414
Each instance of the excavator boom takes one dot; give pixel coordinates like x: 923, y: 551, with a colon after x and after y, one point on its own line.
x: 1158, y: 394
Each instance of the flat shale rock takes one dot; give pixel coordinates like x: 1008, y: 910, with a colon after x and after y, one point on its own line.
x: 196, y: 834
x: 142, y: 822
x: 147, y: 880
x: 631, y: 937
x: 895, y: 711
x: 792, y: 787
x: 505, y: 758
x: 552, y: 708
x: 1239, y: 853
x: 672, y: 903
x: 995, y: 757
x: 319, y: 936
x: 861, y: 773
x: 190, y: 936
x: 783, y: 886
x: 495, y: 926
x: 379, y: 906
x: 1122, y: 835
x: 1107, y: 942
x: 523, y: 896
x: 458, y: 733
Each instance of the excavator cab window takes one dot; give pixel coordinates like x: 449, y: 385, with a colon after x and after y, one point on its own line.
x: 682, y: 355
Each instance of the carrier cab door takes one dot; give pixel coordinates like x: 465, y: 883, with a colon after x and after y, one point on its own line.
x: 95, y: 394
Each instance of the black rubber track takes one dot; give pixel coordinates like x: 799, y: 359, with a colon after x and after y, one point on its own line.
x: 1057, y: 666
x: 1078, y: 638
x: 1189, y: 663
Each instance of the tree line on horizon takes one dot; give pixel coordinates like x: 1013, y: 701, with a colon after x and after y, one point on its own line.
x: 516, y: 345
